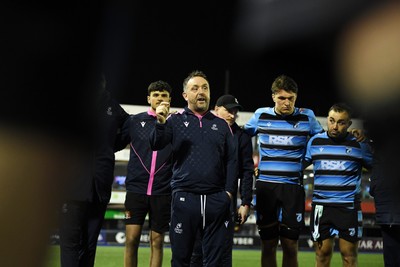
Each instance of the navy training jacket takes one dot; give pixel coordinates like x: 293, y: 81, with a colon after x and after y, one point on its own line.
x: 149, y: 172
x: 95, y: 176
x: 204, y: 152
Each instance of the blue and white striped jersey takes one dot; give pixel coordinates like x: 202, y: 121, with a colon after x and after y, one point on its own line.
x: 337, y: 167
x: 282, y: 142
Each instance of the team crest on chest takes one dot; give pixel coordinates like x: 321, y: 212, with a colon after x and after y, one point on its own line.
x: 142, y: 123
x: 109, y: 111
x: 186, y: 123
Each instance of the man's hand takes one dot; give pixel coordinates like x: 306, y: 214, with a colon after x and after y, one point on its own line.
x: 358, y: 134
x: 243, y: 213
x: 162, y: 112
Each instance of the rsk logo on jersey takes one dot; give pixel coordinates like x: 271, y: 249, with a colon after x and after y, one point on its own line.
x: 281, y: 140
x: 186, y: 123
x: 332, y: 165
x: 348, y: 150
x: 142, y: 123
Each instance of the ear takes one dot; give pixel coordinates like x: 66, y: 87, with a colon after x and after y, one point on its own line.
x: 184, y: 95
x: 350, y: 123
x: 148, y: 99
x: 273, y: 97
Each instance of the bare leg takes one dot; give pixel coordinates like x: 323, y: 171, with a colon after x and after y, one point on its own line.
x: 289, y: 249
x: 157, y: 251
x: 323, y: 252
x: 349, y: 251
x: 268, y: 252
x: 132, y: 233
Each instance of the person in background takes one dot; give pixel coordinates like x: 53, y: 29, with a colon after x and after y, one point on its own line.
x: 204, y: 173
x: 338, y: 160
x: 148, y: 180
x: 227, y: 107
x: 87, y: 197
x: 282, y: 132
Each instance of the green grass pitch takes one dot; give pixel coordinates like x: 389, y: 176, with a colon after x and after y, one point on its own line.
x: 113, y: 256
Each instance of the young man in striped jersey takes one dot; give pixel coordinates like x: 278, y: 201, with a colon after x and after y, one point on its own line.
x: 282, y: 132
x: 338, y: 160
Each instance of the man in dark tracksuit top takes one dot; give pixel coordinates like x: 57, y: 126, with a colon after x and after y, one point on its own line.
x: 148, y: 180
x: 87, y: 196
x: 204, y: 173
x: 227, y: 107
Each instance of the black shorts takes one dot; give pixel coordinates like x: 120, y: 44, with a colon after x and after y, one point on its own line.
x: 329, y: 221
x: 137, y: 206
x: 283, y: 203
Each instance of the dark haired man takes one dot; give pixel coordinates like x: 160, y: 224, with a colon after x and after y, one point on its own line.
x: 204, y: 172
x: 338, y: 160
x: 148, y: 180
x: 227, y: 107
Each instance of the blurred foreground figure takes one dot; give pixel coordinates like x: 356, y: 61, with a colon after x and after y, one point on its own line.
x: 31, y: 170
x: 369, y: 68
x: 45, y: 59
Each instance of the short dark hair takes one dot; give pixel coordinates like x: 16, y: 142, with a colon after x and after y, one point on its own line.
x: 284, y: 82
x: 159, y: 86
x: 342, y: 107
x: 195, y: 73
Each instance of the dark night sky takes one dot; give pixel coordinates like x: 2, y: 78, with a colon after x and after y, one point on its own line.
x: 240, y: 48
x: 242, y: 45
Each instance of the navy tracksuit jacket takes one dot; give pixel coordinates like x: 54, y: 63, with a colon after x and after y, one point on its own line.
x: 204, y: 167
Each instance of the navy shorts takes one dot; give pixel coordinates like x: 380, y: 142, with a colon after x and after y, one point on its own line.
x: 329, y: 221
x: 158, y: 209
x: 282, y: 203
